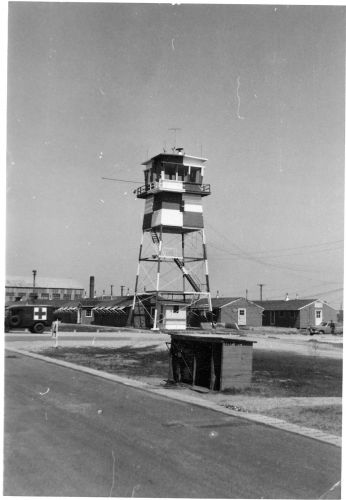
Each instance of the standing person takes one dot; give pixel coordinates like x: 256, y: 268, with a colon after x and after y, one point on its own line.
x: 55, y: 328
x: 332, y: 327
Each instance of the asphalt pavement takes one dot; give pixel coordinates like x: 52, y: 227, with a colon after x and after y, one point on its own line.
x: 70, y: 433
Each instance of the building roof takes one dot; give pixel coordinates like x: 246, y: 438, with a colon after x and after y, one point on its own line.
x: 179, y: 158
x: 218, y: 302
x: 119, y: 302
x: 42, y: 282
x: 287, y: 305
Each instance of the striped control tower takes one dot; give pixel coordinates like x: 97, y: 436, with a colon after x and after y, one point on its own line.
x: 172, y: 273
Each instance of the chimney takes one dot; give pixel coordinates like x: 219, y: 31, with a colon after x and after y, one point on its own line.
x: 34, y: 278
x: 287, y: 297
x: 217, y: 294
x: 91, y: 287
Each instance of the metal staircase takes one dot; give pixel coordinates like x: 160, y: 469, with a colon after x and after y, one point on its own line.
x: 155, y: 237
x: 187, y: 275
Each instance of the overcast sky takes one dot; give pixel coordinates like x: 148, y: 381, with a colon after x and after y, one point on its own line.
x: 93, y: 90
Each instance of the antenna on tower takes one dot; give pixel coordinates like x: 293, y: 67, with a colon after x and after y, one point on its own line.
x: 175, y: 136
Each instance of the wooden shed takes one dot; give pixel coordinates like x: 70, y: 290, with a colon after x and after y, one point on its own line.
x: 217, y: 362
x: 296, y: 313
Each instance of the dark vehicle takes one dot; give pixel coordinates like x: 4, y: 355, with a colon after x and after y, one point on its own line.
x: 36, y: 317
x: 326, y: 327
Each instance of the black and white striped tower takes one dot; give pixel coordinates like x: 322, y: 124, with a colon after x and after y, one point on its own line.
x: 172, y: 272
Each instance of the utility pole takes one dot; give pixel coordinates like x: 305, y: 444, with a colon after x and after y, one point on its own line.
x: 111, y: 291
x: 261, y: 285
x: 122, y: 290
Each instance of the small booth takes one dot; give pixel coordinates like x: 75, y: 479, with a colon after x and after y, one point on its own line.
x: 217, y: 362
x: 173, y: 315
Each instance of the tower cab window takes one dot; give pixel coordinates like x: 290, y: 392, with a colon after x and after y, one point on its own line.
x: 170, y: 172
x: 183, y: 173
x: 195, y: 175
x: 150, y: 176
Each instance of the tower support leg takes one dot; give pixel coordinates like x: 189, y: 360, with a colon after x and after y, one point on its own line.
x: 207, y: 275
x: 130, y: 320
x: 155, y: 327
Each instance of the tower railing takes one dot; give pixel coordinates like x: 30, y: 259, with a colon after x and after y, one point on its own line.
x: 189, y: 187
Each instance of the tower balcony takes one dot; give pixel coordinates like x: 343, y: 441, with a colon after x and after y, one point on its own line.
x: 172, y: 186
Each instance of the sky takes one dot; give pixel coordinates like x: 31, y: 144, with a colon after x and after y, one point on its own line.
x: 94, y: 89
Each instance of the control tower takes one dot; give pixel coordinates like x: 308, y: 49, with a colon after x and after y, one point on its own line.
x: 172, y: 273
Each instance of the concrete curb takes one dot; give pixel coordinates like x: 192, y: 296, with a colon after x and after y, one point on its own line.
x: 254, y: 417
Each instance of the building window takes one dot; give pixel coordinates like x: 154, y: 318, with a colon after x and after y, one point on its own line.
x: 77, y: 295
x: 44, y: 295
x: 56, y: 296
x: 88, y: 312
x: 176, y: 309
x: 9, y: 294
x: 21, y: 294
x: 67, y: 296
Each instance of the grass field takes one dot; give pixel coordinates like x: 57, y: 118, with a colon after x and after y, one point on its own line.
x: 275, y: 374
x: 324, y: 418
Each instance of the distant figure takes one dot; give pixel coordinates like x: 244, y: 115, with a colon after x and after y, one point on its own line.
x: 332, y: 327
x: 55, y: 328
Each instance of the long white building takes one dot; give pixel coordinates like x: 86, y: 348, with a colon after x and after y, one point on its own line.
x: 45, y: 288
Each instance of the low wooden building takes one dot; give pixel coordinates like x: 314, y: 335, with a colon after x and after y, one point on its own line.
x: 217, y: 362
x: 237, y: 310
x: 296, y: 313
x: 227, y: 311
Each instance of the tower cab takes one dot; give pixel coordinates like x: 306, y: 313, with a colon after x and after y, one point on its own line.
x: 174, y: 172
x: 173, y: 192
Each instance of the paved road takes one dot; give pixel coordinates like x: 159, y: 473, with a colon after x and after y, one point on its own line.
x: 87, y: 436
x: 31, y: 337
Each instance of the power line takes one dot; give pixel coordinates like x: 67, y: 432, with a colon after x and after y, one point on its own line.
x: 121, y: 180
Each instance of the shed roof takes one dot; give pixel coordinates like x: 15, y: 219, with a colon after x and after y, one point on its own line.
x: 42, y: 282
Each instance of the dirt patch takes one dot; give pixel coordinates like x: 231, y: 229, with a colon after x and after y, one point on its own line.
x: 126, y: 361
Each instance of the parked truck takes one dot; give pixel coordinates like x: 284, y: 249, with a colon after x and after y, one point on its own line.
x: 35, y: 317
x: 326, y: 327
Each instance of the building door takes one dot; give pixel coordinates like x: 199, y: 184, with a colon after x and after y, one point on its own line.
x: 242, y: 317
x: 318, y: 317
x: 272, y: 318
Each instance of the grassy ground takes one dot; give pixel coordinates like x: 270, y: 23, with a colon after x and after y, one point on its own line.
x: 324, y: 418
x: 275, y: 375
